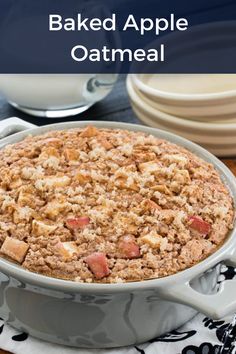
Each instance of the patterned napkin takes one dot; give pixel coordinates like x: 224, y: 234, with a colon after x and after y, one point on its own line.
x: 201, y: 335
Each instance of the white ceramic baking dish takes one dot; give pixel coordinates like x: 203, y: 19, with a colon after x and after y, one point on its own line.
x: 113, y: 315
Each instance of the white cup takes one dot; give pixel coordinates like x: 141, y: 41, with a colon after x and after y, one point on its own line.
x: 55, y: 95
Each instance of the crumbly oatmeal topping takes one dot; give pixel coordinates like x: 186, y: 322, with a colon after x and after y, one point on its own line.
x: 109, y: 206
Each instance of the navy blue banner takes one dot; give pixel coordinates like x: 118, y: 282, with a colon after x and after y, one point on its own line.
x: 110, y: 36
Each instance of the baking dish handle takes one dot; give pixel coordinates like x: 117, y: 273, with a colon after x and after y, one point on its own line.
x: 215, y: 306
x: 13, y: 125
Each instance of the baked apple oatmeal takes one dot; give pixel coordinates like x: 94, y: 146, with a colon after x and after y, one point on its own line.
x: 100, y: 205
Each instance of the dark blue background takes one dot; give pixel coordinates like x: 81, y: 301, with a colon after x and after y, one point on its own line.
x: 26, y: 45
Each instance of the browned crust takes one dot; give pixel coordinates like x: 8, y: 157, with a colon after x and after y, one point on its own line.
x: 127, y: 183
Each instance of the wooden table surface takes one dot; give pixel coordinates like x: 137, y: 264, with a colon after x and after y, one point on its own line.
x: 115, y: 107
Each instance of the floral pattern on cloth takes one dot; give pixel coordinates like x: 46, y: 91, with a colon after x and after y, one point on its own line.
x: 201, y: 335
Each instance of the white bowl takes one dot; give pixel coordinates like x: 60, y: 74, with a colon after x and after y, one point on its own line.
x: 200, y: 96
x: 197, y: 97
x: 215, y: 129
x: 215, y: 106
x: 224, y: 118
x: 216, y: 149
x: 218, y: 138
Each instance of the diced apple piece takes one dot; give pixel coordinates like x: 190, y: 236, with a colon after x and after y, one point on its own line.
x: 49, y: 151
x: 67, y: 249
x: 124, y: 222
x: 176, y: 158
x: 16, y: 183
x: 8, y: 204
x: 40, y: 228
x: 148, y: 167
x: 150, y: 205
x: 125, y: 183
x: 54, y: 208
x: 144, y: 156
x: 182, y: 176
x: 152, y: 239
x: 97, y: 263
x: 24, y: 199
x: 129, y: 247
x: 71, y: 154
x: 15, y: 249
x: 105, y: 143
x: 198, y: 224
x: 89, y: 132
x: 77, y: 222
x: 162, y: 188
x: 55, y: 142
x: 82, y: 178
x: 22, y: 214
x: 155, y: 241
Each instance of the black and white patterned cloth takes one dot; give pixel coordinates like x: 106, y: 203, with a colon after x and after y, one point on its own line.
x: 201, y: 335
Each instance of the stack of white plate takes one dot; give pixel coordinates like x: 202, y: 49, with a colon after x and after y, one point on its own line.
x: 201, y: 108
